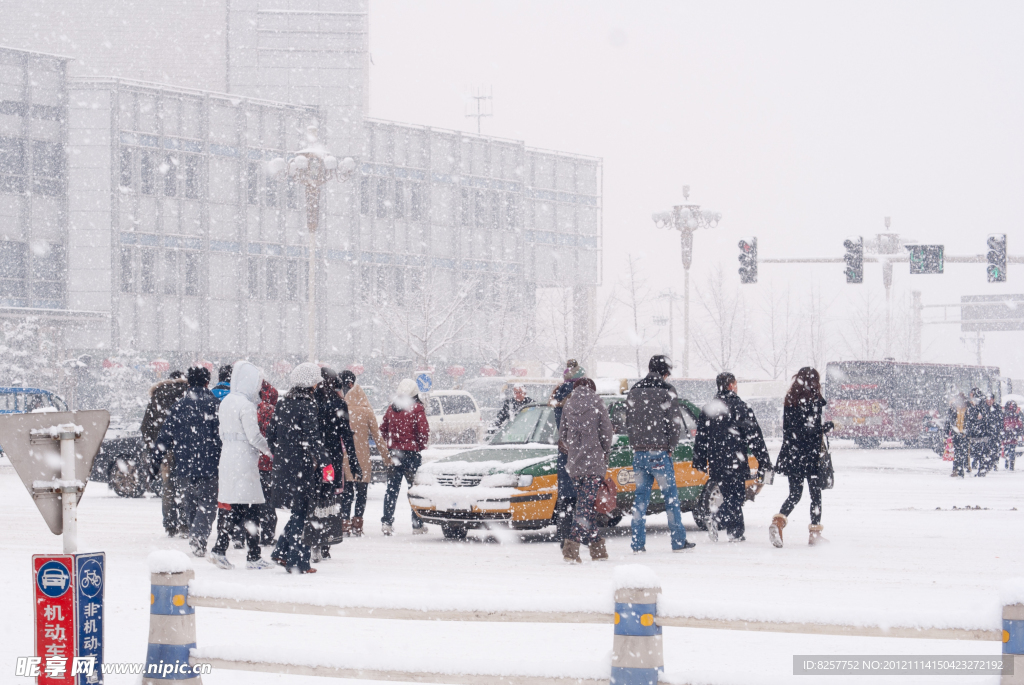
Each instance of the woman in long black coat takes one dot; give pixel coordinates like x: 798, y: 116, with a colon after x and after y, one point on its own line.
x: 803, y: 436
x: 337, y: 434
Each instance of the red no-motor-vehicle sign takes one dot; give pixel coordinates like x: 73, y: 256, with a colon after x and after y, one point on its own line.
x: 55, y: 598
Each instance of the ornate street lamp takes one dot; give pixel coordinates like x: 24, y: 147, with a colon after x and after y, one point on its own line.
x: 686, y: 218
x: 312, y: 166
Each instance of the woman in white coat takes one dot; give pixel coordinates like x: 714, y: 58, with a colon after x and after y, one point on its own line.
x: 240, y: 491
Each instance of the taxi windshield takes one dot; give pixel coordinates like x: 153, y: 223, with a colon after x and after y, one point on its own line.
x: 534, y: 424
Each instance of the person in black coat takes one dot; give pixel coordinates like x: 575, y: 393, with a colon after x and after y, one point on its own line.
x: 297, y: 443
x: 727, y: 432
x: 337, y: 432
x: 803, y: 435
x: 956, y: 430
x: 192, y: 433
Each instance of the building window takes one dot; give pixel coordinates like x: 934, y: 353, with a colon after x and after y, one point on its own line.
x: 254, y: 278
x: 127, y: 270
x: 272, y: 279
x: 511, y: 210
x: 47, y: 167
x: 481, y: 209
x: 494, y: 213
x: 147, y: 271
x: 192, y: 273
x: 293, y: 194
x: 170, y: 273
x: 382, y: 198
x: 192, y: 182
x: 294, y: 279
x: 382, y: 287
x: 271, y: 190
x: 170, y: 172
x: 465, y: 209
x: 415, y: 281
x: 365, y: 283
x: 126, y: 168
x: 13, y: 268
x: 398, y: 287
x: 364, y: 196
x: 416, y: 204
x: 399, y: 199
x: 146, y: 173
x: 252, y: 182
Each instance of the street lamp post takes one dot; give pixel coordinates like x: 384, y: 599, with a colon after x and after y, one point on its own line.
x: 312, y: 166
x: 686, y: 218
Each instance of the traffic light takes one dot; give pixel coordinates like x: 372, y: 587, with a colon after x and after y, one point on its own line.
x: 854, y: 259
x: 997, y: 258
x: 748, y: 261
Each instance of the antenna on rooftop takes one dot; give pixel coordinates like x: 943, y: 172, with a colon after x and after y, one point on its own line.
x: 479, y: 104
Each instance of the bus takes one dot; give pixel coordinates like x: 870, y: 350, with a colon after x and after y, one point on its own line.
x: 872, y: 401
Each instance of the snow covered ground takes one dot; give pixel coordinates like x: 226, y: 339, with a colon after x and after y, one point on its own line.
x: 907, y: 548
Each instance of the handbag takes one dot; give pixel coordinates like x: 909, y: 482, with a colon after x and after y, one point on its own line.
x: 323, y: 522
x: 826, y: 474
x: 606, y: 500
x: 947, y: 451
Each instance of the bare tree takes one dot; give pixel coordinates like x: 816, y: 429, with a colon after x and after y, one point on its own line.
x: 722, y: 338
x: 28, y: 352
x: 634, y: 297
x: 864, y: 332
x: 511, y: 328
x: 817, y: 328
x: 780, y: 336
x: 556, y: 341
x: 430, y: 318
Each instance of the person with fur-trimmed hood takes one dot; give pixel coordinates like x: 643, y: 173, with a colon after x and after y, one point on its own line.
x: 297, y: 444
x: 727, y: 432
x: 162, y: 398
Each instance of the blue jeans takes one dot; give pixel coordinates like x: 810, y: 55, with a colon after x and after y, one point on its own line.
x: 646, y: 467
x: 403, y: 465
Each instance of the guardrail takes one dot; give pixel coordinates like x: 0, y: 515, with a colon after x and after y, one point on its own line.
x: 637, y: 656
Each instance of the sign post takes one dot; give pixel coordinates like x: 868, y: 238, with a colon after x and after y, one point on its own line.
x: 52, y: 453
x: 424, y: 382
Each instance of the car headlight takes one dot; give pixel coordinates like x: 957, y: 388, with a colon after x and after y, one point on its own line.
x: 525, y: 481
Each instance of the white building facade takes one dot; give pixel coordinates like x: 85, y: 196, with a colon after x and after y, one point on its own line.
x: 135, y: 200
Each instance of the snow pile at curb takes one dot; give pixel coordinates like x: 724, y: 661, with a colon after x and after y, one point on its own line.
x: 1011, y: 591
x: 168, y: 561
x: 635, y: 575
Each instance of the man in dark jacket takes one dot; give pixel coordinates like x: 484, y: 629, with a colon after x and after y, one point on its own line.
x: 654, y: 423
x: 297, y: 443
x: 223, y: 387
x: 512, y: 405
x: 566, y: 498
x: 727, y: 432
x: 192, y: 432
x: 162, y: 398
x: 337, y: 431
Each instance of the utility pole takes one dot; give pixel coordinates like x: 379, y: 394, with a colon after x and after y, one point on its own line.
x: 671, y: 296
x: 484, y: 106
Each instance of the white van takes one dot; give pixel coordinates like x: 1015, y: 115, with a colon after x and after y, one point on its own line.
x: 453, y: 415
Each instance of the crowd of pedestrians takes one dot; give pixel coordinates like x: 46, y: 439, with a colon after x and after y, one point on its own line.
x: 977, y: 430
x: 235, y: 453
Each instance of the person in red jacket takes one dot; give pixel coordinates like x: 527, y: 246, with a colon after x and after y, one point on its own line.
x: 407, y: 432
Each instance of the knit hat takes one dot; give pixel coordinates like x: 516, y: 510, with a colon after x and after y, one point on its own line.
x: 573, y: 373
x: 305, y: 375
x: 347, y: 378
x: 198, y: 377
x: 408, y: 388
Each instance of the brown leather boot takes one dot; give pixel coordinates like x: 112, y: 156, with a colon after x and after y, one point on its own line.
x: 775, y: 530
x: 571, y: 552
x: 598, y: 551
x: 346, y: 528
x: 815, y: 537
x: 357, y: 527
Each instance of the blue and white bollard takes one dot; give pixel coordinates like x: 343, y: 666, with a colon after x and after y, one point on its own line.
x: 172, y: 624
x: 1013, y: 642
x: 637, y: 653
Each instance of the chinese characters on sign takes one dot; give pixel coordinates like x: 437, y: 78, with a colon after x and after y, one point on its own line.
x: 68, y: 618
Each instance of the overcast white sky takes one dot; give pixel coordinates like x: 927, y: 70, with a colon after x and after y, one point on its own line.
x: 802, y: 123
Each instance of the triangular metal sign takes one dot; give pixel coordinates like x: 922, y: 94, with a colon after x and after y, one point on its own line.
x: 36, y: 458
